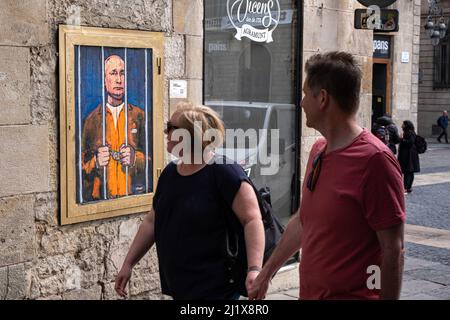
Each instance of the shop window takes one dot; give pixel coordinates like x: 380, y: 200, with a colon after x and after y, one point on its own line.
x: 250, y: 80
x: 254, y: 73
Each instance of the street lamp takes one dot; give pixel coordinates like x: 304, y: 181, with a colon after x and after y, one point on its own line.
x: 435, y: 38
x: 442, y: 28
x: 429, y: 26
x: 435, y: 26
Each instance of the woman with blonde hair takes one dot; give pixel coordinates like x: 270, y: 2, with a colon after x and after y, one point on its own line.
x: 188, y: 222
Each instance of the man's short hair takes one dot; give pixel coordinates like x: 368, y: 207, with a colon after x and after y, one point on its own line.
x: 339, y: 74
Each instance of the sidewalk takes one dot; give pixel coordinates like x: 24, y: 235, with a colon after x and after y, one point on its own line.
x: 422, y: 280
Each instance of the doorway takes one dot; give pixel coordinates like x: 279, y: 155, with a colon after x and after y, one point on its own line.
x: 381, y: 88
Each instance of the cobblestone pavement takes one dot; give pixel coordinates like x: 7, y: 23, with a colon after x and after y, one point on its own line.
x: 427, y: 235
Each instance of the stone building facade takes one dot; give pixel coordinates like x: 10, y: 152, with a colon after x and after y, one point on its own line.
x: 434, y: 97
x: 39, y: 259
x: 405, y: 75
x: 321, y: 34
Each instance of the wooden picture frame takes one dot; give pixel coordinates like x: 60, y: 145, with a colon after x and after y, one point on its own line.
x: 111, y: 121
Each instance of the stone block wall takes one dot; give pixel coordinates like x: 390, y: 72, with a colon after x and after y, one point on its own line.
x: 405, y: 75
x: 38, y: 258
x: 431, y: 101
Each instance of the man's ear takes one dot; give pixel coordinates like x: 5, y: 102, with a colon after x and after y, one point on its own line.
x: 324, y: 99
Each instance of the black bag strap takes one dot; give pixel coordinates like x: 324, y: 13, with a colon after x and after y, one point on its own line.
x: 272, y: 227
x: 231, y: 234
x: 236, y: 255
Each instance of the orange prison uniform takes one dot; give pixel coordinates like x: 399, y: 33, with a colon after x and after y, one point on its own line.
x: 115, y: 172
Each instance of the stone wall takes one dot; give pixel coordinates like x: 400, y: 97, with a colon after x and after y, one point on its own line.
x: 328, y: 26
x: 321, y: 34
x: 38, y: 258
x: 405, y: 76
x: 431, y: 101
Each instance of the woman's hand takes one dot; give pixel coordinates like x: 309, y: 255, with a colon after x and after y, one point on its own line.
x: 251, y: 276
x: 257, y: 285
x: 122, y: 280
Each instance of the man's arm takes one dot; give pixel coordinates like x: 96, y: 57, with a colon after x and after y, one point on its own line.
x: 140, y: 160
x: 87, y: 154
x: 289, y: 244
x: 138, y: 143
x: 392, y: 250
x: 92, y: 159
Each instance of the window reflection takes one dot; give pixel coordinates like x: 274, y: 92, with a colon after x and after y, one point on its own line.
x: 251, y: 85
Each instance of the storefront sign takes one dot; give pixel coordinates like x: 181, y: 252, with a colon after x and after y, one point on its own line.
x: 213, y: 24
x: 376, y: 19
x: 178, y: 89
x: 217, y: 47
x: 405, y: 57
x: 378, y: 3
x: 255, y: 20
x: 382, y: 47
x: 224, y: 23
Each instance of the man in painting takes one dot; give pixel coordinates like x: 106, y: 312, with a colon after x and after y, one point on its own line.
x: 115, y: 155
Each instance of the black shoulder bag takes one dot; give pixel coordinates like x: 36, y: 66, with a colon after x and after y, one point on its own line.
x: 236, y: 253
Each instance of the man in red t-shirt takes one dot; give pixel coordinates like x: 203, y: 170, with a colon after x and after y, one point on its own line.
x: 350, y: 223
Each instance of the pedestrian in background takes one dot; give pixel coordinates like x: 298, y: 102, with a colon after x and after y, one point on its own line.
x: 408, y: 155
x: 381, y: 133
x: 394, y: 137
x: 443, y: 124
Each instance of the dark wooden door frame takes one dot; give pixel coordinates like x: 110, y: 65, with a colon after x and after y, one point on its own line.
x: 388, y: 79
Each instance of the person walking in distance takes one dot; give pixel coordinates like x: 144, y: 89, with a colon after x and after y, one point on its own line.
x: 408, y: 155
x: 394, y: 137
x: 443, y: 124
